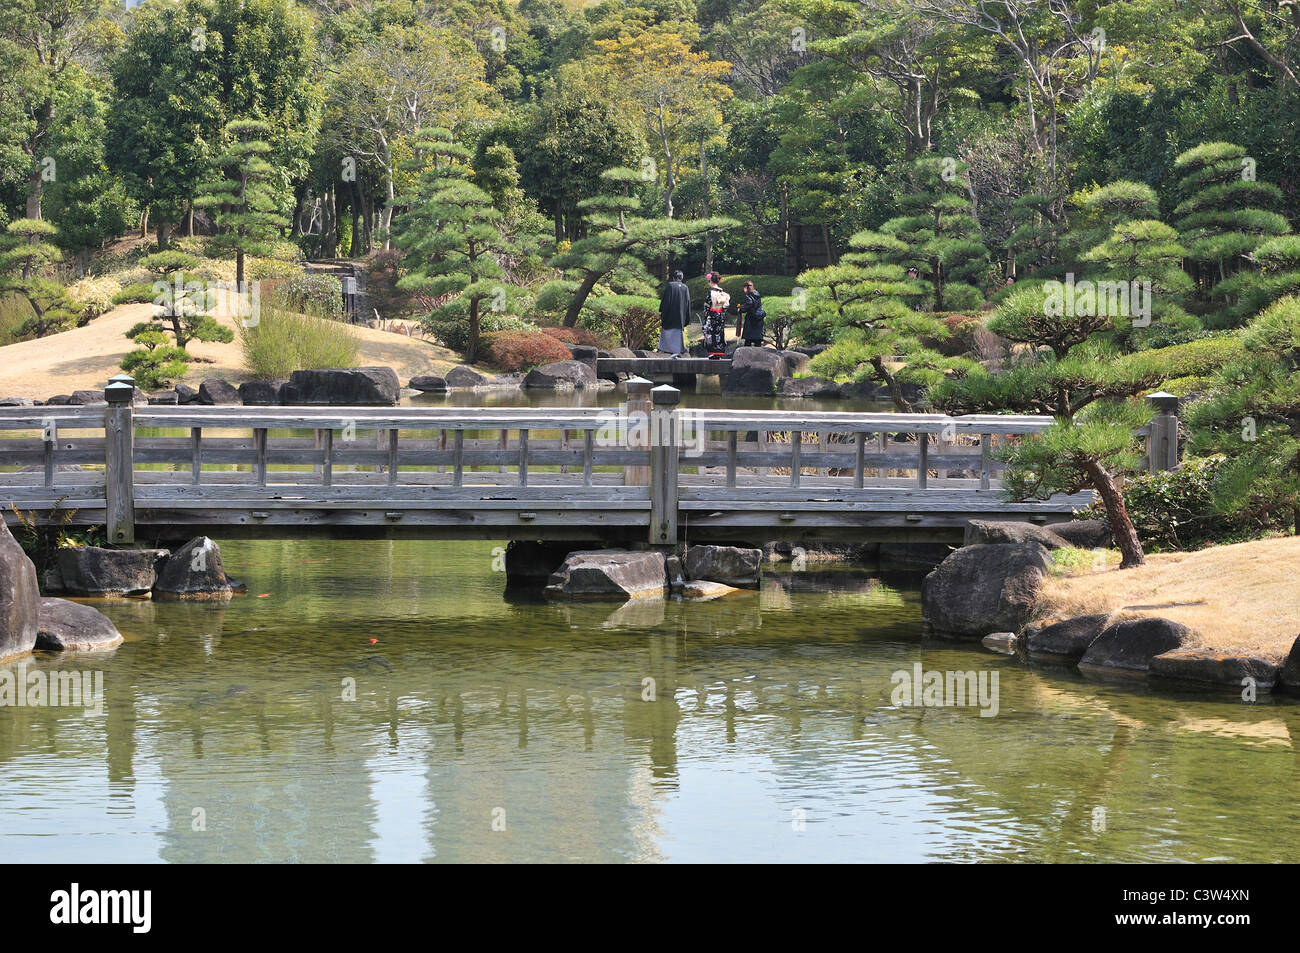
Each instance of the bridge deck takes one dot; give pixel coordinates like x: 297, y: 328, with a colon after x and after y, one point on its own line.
x: 650, y: 367
x: 164, y: 473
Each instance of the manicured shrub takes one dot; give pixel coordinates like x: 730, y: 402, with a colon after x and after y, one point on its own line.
x: 567, y: 335
x: 522, y: 350
x: 317, y: 293
x: 452, y: 328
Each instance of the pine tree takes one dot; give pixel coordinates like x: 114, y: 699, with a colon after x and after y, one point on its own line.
x: 247, y: 217
x: 618, y: 236
x: 858, y: 305
x: 1252, y: 416
x: 1035, y: 239
x: 452, y: 239
x: 181, y: 304
x: 24, y: 256
x: 942, y: 238
x: 1224, y: 214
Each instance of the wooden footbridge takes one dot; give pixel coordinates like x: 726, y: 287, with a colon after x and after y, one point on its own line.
x: 647, y: 471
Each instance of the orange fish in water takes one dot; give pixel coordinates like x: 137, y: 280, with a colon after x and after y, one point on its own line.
x: 263, y: 595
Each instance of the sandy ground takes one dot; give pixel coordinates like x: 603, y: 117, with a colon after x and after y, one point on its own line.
x: 1239, y: 598
x: 85, y: 358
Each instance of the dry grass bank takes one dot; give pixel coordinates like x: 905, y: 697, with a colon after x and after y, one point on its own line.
x: 1243, y: 598
x: 85, y: 358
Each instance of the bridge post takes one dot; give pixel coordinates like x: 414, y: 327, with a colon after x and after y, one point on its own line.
x: 1162, y: 436
x: 665, y: 450
x: 639, y: 406
x: 119, y: 450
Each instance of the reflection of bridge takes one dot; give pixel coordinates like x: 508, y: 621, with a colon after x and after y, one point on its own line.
x: 645, y: 472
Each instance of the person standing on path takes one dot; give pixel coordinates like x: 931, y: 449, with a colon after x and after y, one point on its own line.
x: 716, y: 302
x: 674, y: 315
x: 750, y: 315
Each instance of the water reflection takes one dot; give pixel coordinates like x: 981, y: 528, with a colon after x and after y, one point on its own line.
x: 756, y: 727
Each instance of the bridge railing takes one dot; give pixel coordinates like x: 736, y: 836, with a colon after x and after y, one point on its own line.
x: 640, y: 467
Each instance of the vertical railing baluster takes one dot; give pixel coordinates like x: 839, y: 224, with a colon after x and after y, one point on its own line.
x: 196, y: 455
x: 588, y: 438
x: 731, y: 459
x: 796, y: 453
x: 327, y: 468
x: 984, y: 460
x: 860, y: 453
x: 392, y: 457
x: 922, y: 459
x: 505, y: 445
x: 259, y: 450
x: 458, y: 460
x: 523, y: 456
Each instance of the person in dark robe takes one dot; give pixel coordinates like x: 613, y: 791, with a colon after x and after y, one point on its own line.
x: 674, y: 315
x: 749, y: 322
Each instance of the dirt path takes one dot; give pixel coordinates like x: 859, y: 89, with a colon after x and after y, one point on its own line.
x: 85, y: 358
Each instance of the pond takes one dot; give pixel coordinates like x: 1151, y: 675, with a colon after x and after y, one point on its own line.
x: 389, y: 701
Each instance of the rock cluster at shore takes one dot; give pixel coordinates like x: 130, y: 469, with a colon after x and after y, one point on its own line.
x: 29, y: 621
x: 988, y: 590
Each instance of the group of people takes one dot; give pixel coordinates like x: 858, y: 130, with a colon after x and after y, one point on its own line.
x: 675, y: 315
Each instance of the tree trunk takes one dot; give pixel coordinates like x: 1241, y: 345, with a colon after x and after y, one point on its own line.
x: 579, y: 299
x: 239, y: 269
x: 471, y: 351
x: 35, y: 185
x: 189, y: 221
x: 144, y: 222
x: 1121, y: 525
x: 162, y: 234
x: 895, y: 392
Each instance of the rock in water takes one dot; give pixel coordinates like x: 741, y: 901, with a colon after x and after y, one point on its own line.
x: 94, y: 571
x: 701, y: 590
x: 463, y: 376
x: 729, y: 565
x: 69, y: 626
x: 1128, y: 647
x: 755, y: 372
x: 1200, y: 667
x: 215, y: 391
x: 609, y: 574
x: 984, y: 588
x: 562, y: 374
x: 194, y: 572
x: 261, y: 393
x: 20, y: 597
x: 1063, y: 642
x: 343, y: 386
x: 428, y: 383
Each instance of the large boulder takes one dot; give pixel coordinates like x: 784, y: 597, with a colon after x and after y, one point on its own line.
x: 261, y: 393
x: 563, y: 375
x: 20, y: 597
x: 795, y: 361
x: 463, y: 376
x: 807, y: 387
x: 185, y: 394
x: 428, y: 383
x: 586, y: 354
x: 346, y: 386
x: 17, y: 402
x: 164, y: 397
x: 85, y: 397
x: 609, y: 574
x: 755, y: 372
x: 194, y: 572
x: 729, y: 565
x: 1085, y: 534
x: 985, y: 588
x: 65, y: 626
x: 1062, y: 643
x: 215, y: 391
x: 1204, y: 668
x: 1009, y: 531
x: 94, y: 571
x: 1127, y: 648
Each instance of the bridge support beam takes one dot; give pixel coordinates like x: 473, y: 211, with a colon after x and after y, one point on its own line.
x: 665, y: 452
x: 119, y: 463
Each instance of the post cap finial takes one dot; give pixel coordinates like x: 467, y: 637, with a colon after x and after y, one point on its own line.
x: 120, y: 389
x: 665, y: 394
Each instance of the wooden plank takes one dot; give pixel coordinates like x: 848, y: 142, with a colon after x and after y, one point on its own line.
x: 587, y: 440
x: 196, y: 455
x: 796, y: 456
x: 984, y: 460
x: 259, y: 465
x: 119, y: 463
x: 49, y: 462
x: 923, y: 461
x: 859, y: 461
x: 731, y: 459
x: 523, y: 456
x: 327, y: 464
x: 392, y: 457
x: 458, y: 459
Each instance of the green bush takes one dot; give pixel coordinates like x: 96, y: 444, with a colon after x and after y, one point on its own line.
x: 1174, y: 509
x: 318, y: 293
x: 284, y: 341
x: 452, y: 329
x: 157, y: 364
x: 141, y: 293
x: 15, y: 312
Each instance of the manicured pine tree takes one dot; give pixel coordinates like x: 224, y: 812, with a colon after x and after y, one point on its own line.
x: 859, y: 306
x: 24, y: 254
x: 1224, y: 213
x: 1070, y: 374
x: 1035, y: 239
x: 178, y: 308
x: 247, y: 216
x: 942, y: 238
x: 1251, y: 415
x: 452, y: 239
x: 618, y: 235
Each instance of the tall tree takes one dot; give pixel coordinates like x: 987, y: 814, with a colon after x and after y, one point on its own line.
x: 247, y: 216
x: 25, y: 255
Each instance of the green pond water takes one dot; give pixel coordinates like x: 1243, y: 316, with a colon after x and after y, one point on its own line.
x: 487, y: 727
